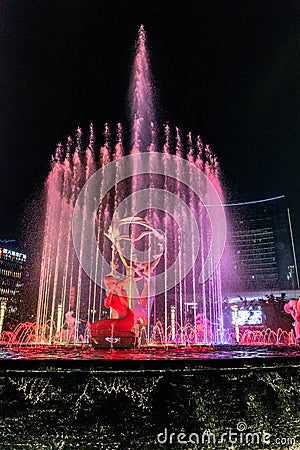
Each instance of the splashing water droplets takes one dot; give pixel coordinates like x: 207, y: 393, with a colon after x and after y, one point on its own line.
x: 69, y: 297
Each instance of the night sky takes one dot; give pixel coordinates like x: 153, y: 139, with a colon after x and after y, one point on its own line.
x: 227, y: 70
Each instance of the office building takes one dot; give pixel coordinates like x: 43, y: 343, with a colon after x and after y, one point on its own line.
x: 262, y: 248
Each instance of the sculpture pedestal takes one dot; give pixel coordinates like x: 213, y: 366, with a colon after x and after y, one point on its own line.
x: 121, y: 339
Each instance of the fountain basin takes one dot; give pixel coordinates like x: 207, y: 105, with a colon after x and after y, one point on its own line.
x: 148, y: 359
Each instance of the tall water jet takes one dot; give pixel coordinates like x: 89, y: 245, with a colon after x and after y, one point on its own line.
x: 167, y: 245
x: 141, y: 97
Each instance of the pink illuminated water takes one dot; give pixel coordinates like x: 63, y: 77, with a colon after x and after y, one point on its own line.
x: 64, y: 286
x: 200, y: 355
x: 142, y: 98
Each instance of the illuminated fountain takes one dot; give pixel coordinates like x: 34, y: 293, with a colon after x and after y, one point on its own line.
x: 148, y: 210
x: 69, y: 299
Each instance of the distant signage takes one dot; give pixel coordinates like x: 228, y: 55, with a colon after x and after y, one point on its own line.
x: 10, y: 254
x: 249, y: 316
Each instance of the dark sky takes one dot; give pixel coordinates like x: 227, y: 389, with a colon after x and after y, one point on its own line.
x: 227, y: 70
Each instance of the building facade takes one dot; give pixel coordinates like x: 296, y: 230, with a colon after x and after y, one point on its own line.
x: 261, y: 247
x: 12, y: 276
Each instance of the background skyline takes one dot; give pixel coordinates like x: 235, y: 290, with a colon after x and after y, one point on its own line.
x: 227, y: 71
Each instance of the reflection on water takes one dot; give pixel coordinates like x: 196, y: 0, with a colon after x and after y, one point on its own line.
x: 86, y: 352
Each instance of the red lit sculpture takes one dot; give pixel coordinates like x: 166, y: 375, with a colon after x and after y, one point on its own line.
x: 117, y: 331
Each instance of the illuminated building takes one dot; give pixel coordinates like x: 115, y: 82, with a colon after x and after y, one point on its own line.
x: 262, y: 247
x: 12, y: 274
